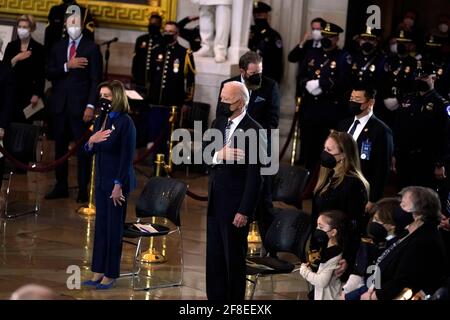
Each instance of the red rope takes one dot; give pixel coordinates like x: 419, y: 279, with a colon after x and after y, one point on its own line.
x: 51, y: 166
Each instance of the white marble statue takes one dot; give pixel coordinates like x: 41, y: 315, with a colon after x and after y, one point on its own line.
x: 215, y: 26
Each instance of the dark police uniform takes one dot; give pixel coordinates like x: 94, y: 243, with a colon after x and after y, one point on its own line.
x: 433, y: 55
x: 56, y: 29
x: 268, y: 44
x: 398, y: 75
x: 368, y: 68
x: 420, y: 138
x: 143, y: 50
x: 320, y: 113
x: 172, y: 83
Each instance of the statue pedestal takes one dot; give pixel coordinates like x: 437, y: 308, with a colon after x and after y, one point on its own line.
x: 208, y: 79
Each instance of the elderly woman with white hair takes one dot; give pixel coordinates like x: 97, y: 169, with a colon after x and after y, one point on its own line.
x: 234, y: 187
x: 417, y: 261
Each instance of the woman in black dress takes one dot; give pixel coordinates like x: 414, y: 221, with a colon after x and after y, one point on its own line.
x: 341, y: 186
x: 27, y: 59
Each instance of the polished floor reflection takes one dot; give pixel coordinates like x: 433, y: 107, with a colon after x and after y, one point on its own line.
x: 40, y: 249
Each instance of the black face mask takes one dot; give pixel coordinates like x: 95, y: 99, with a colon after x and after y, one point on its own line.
x: 153, y: 29
x: 253, y: 82
x: 367, y: 47
x: 168, y: 38
x: 402, y: 220
x: 320, y: 238
x: 377, y: 232
x: 401, y: 48
x: 420, y: 86
x: 105, y: 105
x: 326, y: 43
x: 327, y: 160
x: 226, y: 109
x: 355, y: 108
x: 261, y: 23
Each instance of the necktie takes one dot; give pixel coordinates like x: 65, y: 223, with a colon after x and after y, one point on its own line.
x: 227, y: 132
x: 72, y: 50
x: 353, y: 128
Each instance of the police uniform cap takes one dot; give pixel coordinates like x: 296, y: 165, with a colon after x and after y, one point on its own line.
x: 371, y: 33
x: 431, y: 41
x: 404, y: 36
x: 331, y: 29
x: 261, y: 7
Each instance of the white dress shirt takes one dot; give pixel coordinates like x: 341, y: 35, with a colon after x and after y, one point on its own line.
x: 362, y: 123
x: 234, y: 125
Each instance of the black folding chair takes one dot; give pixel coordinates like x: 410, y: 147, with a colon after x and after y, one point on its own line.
x: 161, y: 197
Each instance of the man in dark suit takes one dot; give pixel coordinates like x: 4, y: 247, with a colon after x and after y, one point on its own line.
x: 75, y: 68
x: 6, y: 104
x: 374, y: 139
x: 234, y: 187
x: 264, y: 107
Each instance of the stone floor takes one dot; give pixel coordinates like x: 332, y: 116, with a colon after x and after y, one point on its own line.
x: 41, y: 248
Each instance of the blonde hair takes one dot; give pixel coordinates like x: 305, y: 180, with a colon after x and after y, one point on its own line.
x: 350, y: 165
x: 119, y: 97
x: 28, y: 18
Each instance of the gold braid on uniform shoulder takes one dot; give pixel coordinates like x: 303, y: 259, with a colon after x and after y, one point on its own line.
x: 188, y: 63
x: 90, y: 26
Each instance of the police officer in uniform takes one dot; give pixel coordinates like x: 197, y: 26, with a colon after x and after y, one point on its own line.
x: 368, y: 60
x: 420, y: 132
x: 266, y: 42
x: 56, y: 29
x: 171, y: 81
x: 398, y: 75
x: 143, y: 51
x: 324, y: 76
x: 433, y: 55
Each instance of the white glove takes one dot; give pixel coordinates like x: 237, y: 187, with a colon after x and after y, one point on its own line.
x: 313, y: 87
x: 391, y: 103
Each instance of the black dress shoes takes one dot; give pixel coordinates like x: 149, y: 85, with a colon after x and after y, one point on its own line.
x: 57, y: 194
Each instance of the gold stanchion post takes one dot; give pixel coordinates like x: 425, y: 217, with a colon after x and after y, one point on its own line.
x: 253, y: 235
x: 90, y: 209
x: 294, y: 144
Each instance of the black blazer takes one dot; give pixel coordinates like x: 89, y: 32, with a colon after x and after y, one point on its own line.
x: 78, y: 87
x: 30, y: 73
x: 234, y: 188
x: 264, y: 105
x: 376, y: 170
x: 418, y: 263
x: 7, y: 84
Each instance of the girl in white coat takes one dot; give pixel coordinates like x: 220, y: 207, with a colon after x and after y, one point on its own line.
x: 329, y: 235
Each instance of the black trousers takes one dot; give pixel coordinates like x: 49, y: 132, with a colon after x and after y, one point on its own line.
x: 65, y: 128
x: 226, y: 251
x: 265, y: 212
x: 109, y: 222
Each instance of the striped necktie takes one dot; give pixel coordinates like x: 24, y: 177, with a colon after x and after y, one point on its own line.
x: 227, y: 132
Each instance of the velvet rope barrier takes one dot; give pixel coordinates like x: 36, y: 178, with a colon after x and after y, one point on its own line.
x: 51, y: 166
x: 289, y: 138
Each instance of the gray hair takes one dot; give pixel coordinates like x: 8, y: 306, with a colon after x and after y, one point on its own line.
x: 245, y: 95
x: 426, y: 203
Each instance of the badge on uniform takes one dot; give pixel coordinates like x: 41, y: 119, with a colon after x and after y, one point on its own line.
x: 408, y: 69
x: 333, y: 65
x: 430, y: 106
x: 143, y: 44
x: 366, y: 149
x: 160, y: 57
x: 372, y: 68
x: 176, y: 66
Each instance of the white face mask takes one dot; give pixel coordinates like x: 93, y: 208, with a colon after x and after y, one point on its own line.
x: 23, y: 33
x: 316, y: 35
x: 393, y: 48
x: 74, y: 32
x: 443, y: 27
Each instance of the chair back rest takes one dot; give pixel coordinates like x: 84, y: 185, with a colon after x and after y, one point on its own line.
x: 289, y: 232
x: 22, y: 139
x: 288, y: 184
x: 162, y: 197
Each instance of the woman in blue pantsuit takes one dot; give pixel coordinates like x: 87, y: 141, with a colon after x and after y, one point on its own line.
x: 113, y: 143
